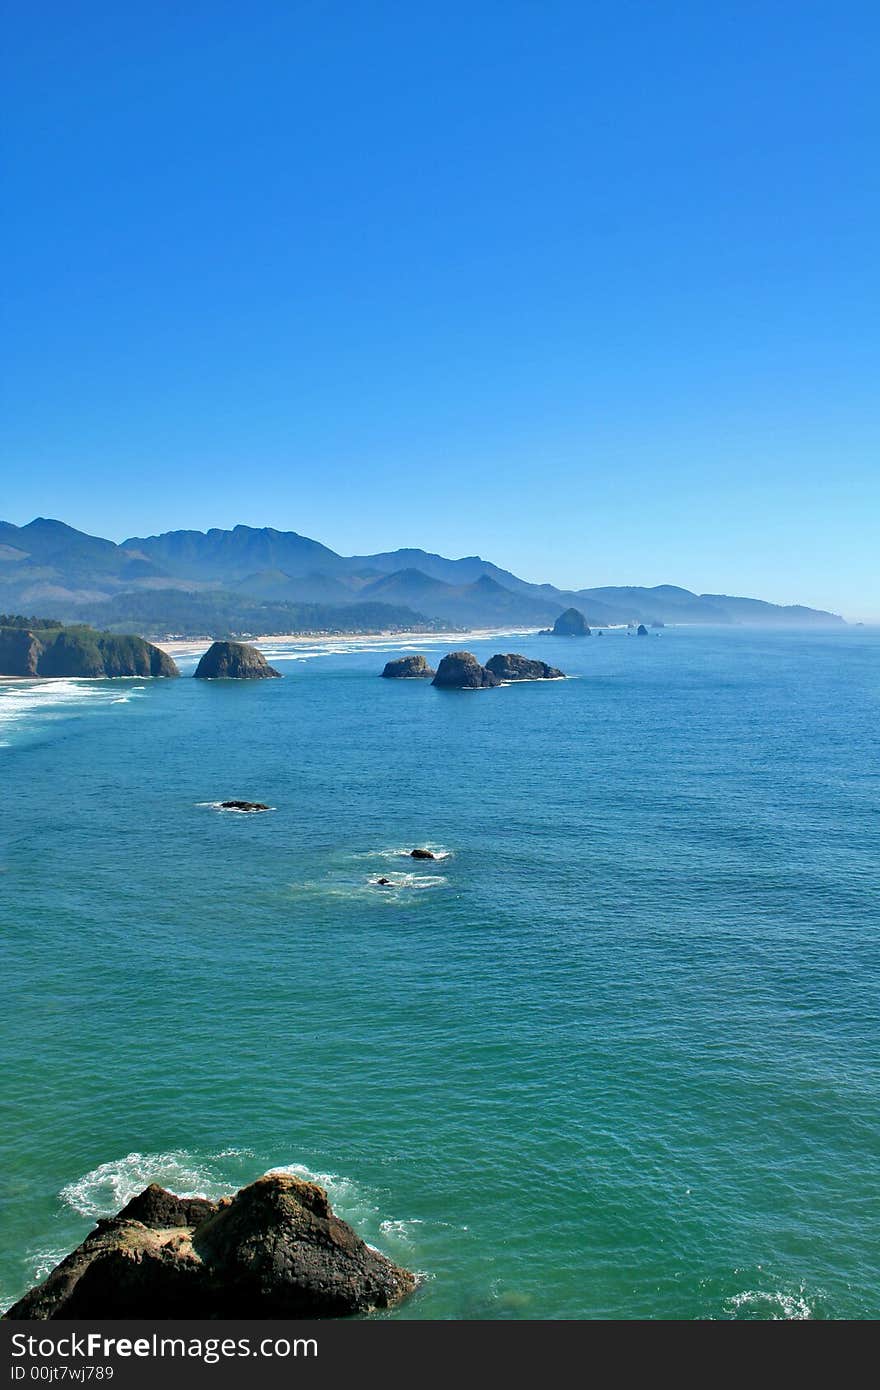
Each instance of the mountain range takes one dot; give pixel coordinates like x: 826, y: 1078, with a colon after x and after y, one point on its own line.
x: 262, y: 580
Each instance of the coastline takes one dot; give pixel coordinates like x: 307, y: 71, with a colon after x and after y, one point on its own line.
x: 193, y: 646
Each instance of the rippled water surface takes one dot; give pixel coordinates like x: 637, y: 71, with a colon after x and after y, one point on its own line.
x: 615, y: 1054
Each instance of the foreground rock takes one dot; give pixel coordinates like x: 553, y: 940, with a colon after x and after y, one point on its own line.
x: 275, y: 1250
x: 422, y: 854
x: 510, y: 666
x: 408, y: 668
x: 462, y: 671
x: 244, y: 806
x: 81, y: 652
x: 571, y: 623
x: 234, y: 661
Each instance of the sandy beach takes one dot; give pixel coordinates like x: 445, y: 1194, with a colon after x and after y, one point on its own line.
x: 194, y: 646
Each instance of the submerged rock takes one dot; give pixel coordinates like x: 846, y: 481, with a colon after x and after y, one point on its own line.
x: 275, y: 1250
x: 462, y: 671
x: 234, y: 661
x: 244, y: 806
x: 510, y: 666
x: 571, y: 623
x: 408, y: 668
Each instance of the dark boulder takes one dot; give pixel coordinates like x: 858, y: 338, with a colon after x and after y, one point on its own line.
x: 571, y: 623
x: 275, y: 1250
x: 234, y: 661
x: 159, y: 1209
x: 462, y: 671
x: 244, y: 806
x: 510, y: 666
x: 408, y: 668
x: 641, y: 630
x: 422, y: 854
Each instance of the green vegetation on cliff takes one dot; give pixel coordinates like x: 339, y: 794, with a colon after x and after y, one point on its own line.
x: 42, y: 650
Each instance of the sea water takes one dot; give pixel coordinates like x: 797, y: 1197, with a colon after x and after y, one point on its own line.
x: 614, y: 1054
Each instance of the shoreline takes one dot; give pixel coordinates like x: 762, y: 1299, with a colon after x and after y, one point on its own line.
x: 191, y: 646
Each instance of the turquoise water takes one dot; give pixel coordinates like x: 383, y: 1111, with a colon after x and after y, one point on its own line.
x: 615, y: 1056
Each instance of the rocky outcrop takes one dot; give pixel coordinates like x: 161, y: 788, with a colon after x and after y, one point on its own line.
x: 571, y: 623
x: 510, y: 666
x: 641, y: 630
x: 275, y: 1250
x: 422, y: 854
x: 408, y: 668
x: 244, y: 806
x: 462, y: 671
x: 80, y: 652
x: 234, y: 661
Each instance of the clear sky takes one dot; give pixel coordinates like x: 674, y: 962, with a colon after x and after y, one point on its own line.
x: 590, y: 289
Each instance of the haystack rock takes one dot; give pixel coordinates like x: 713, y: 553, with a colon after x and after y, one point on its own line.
x: 571, y: 623
x: 275, y: 1250
x: 462, y: 671
x: 510, y: 666
x: 234, y: 661
x: 408, y: 668
x: 641, y: 630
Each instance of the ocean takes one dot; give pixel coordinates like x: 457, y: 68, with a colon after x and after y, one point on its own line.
x: 614, y: 1056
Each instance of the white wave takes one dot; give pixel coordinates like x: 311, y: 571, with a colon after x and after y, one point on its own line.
x: 107, y: 1188
x: 26, y: 702
x: 41, y: 1262
x: 776, y: 1305
x: 416, y: 881
x: 405, y: 852
x: 231, y: 810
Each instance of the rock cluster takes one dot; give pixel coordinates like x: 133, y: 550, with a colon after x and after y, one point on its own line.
x: 408, y: 668
x: 234, y: 661
x: 275, y: 1250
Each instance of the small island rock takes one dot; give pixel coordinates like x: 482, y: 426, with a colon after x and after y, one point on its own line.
x: 422, y: 854
x: 408, y: 668
x: 244, y: 806
x: 462, y: 671
x: 275, y: 1250
x: 571, y: 623
x: 510, y: 666
x: 641, y: 630
x: 234, y: 661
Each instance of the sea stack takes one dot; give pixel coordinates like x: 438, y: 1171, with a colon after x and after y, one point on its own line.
x: 641, y: 630
x: 408, y: 668
x: 462, y: 671
x: 234, y: 661
x: 275, y: 1250
x: 510, y: 666
x: 571, y: 623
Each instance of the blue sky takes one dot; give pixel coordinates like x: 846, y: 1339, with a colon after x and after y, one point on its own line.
x: 590, y: 289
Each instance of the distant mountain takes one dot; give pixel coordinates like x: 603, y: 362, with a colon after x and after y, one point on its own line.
x: 256, y: 579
